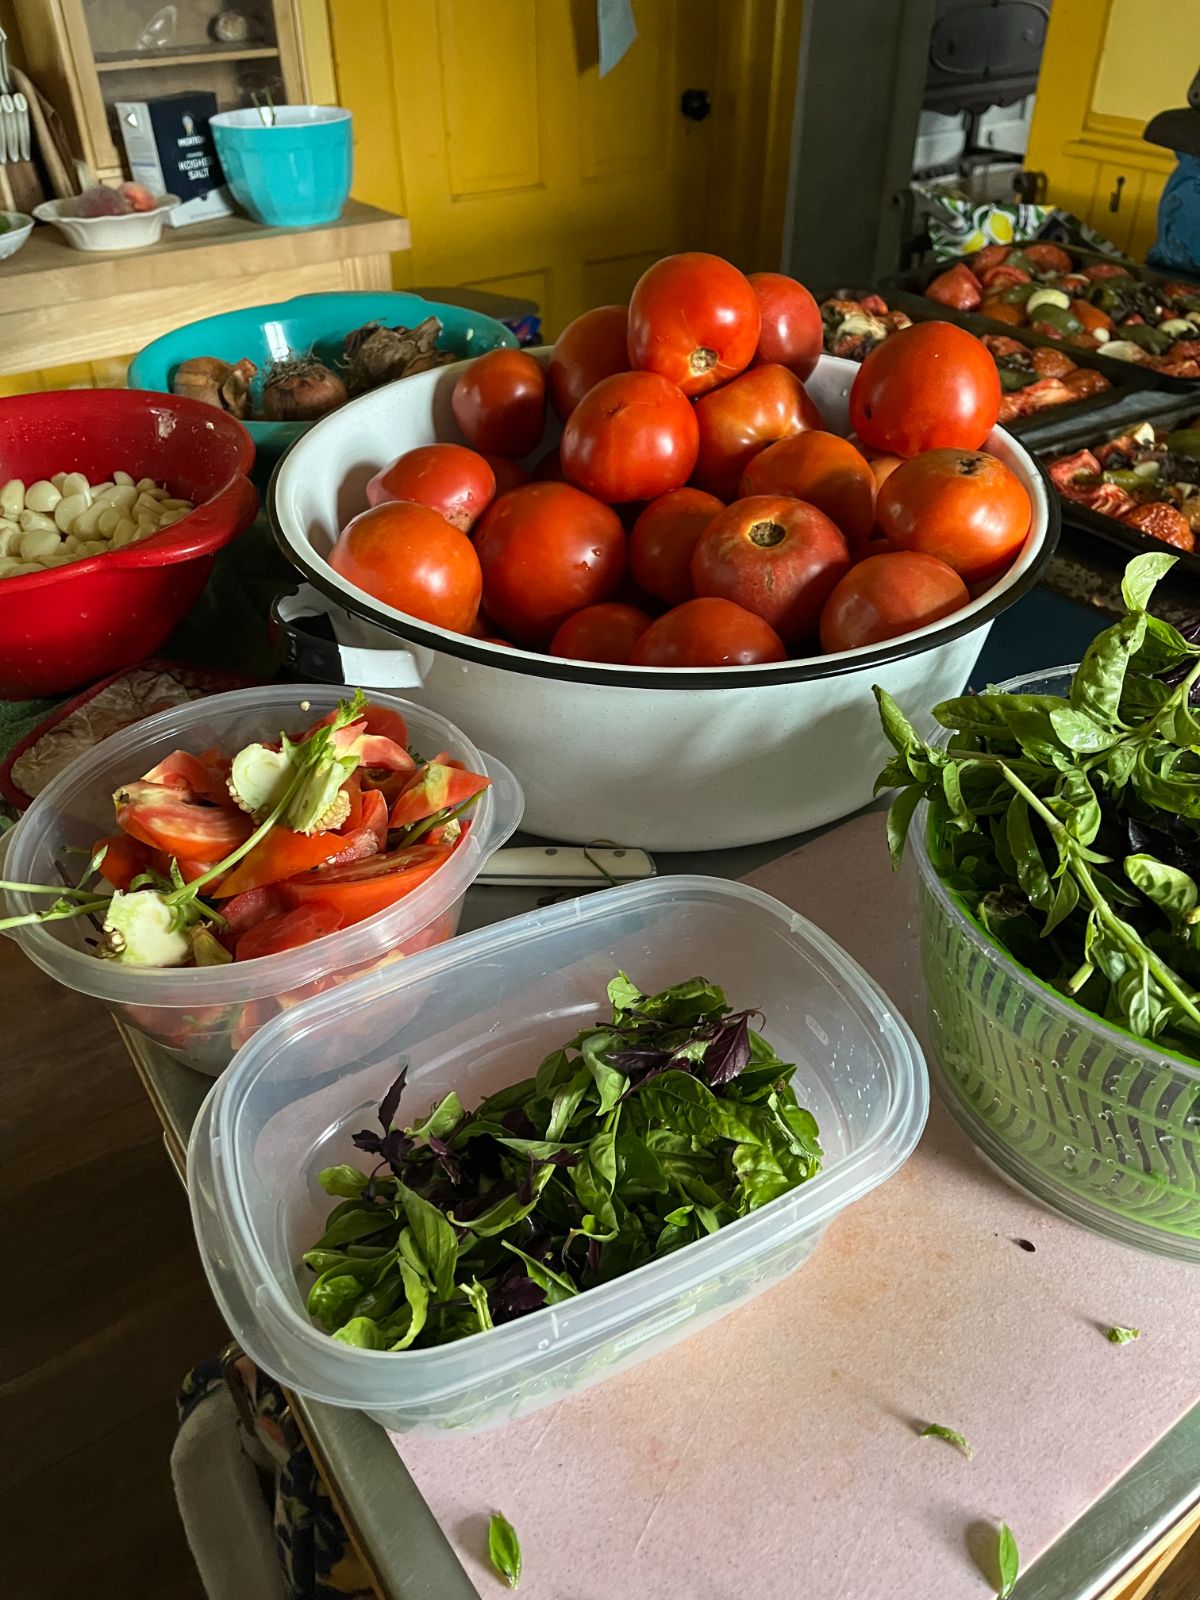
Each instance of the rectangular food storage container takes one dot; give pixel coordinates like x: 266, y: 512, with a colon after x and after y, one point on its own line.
x: 203, y: 1015
x: 481, y: 1014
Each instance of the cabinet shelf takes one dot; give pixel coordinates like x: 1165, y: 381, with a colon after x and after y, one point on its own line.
x: 184, y: 57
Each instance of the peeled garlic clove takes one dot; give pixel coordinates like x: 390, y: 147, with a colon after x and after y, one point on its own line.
x: 123, y: 480
x: 146, y: 483
x: 66, y: 511
x: 169, y: 518
x: 24, y: 567
x: 126, y: 533
x: 106, y: 526
x: 10, y: 541
x: 93, y: 547
x: 31, y: 520
x: 38, y: 543
x: 74, y: 483
x: 12, y: 498
x: 177, y: 505
x: 123, y: 496
x: 86, y: 522
x: 42, y: 496
x: 8, y: 565
x: 102, y: 488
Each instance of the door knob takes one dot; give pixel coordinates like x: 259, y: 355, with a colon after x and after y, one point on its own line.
x: 1114, y: 199
x: 695, y: 104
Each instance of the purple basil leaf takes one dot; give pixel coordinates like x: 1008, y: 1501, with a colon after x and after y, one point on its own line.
x: 447, y: 1160
x: 594, y: 1251
x: 561, y: 1158
x: 729, y: 1053
x: 515, y: 1296
x: 518, y: 1124
x: 390, y: 1103
x: 368, y: 1142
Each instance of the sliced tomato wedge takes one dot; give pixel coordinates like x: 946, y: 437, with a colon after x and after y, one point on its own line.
x: 288, y: 931
x: 193, y: 775
x: 124, y: 859
x: 281, y: 854
x: 359, y: 889
x: 378, y: 719
x: 255, y: 905
x: 436, y: 786
x: 172, y: 821
x: 368, y: 809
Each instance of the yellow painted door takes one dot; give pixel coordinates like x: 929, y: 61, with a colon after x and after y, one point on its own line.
x: 522, y: 170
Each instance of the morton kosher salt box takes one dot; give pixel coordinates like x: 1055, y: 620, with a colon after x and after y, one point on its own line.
x: 170, y: 149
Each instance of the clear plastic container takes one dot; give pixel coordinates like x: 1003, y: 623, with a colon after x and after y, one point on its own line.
x: 1101, y: 1125
x: 203, y: 1015
x: 477, y: 1015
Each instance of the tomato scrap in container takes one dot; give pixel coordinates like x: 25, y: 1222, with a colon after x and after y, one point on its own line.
x: 221, y: 857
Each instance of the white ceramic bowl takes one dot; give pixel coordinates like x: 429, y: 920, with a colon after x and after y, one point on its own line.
x: 665, y: 759
x: 19, y: 228
x: 133, y: 231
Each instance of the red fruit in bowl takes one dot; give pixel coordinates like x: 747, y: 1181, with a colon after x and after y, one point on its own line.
x: 663, y: 540
x: 779, y: 558
x: 411, y: 558
x: 824, y: 469
x: 100, y: 202
x: 499, y: 402
x: 600, y: 633
x: 792, y: 333
x: 632, y: 437
x: 694, y: 318
x: 594, y: 346
x: 889, y: 594
x: 448, y: 478
x: 741, y: 418
x: 708, y: 633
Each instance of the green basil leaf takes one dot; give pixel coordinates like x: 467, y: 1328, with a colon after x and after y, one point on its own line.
x: 435, y: 1239
x: 1096, y: 687
x: 330, y: 1298
x: 346, y: 1181
x: 610, y: 1084
x: 1008, y: 1560
x: 417, y: 1295
x: 760, y: 1175
x: 1122, y: 1335
x: 441, y: 1121
x: 1172, y: 890
x: 900, y: 815
x: 511, y: 1209
x: 935, y: 1430
x: 504, y: 1550
x: 1142, y: 575
x: 557, y: 1287
x: 900, y: 732
x: 566, y: 1103
x: 354, y: 1223
x: 362, y: 1332
x: 639, y: 1168
x: 1066, y: 898
x: 602, y: 1154
x: 555, y: 1070
x: 1031, y: 869
x: 623, y: 993
x: 595, y: 1196
x: 1120, y: 763
x: 1162, y: 650
x: 1079, y: 732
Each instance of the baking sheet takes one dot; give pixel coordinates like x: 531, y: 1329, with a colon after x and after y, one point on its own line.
x: 776, y: 1454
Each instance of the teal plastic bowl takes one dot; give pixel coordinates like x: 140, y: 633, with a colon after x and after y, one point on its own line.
x: 292, y: 173
x: 316, y: 322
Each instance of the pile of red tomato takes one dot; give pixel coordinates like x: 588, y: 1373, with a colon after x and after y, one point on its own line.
x: 698, y: 511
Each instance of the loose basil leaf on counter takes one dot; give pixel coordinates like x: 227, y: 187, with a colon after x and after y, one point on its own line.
x: 1009, y: 1561
x: 1122, y: 1335
x: 935, y: 1430
x: 1069, y: 828
x: 638, y: 1136
x: 504, y: 1549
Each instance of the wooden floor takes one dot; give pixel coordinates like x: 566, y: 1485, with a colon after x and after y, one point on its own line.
x: 106, y: 1309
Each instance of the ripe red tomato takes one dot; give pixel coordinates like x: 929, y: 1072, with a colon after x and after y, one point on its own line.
x: 962, y: 506
x: 777, y: 557
x: 600, y: 633
x: 411, y: 558
x: 499, y: 402
x: 882, y: 468
x: 708, y: 633
x: 792, y: 333
x: 594, y: 346
x: 445, y: 477
x: 745, y: 416
x: 508, y: 474
x: 925, y: 388
x: 693, y: 318
x: 632, y: 437
x: 362, y: 888
x: 663, y: 539
x: 547, y: 550
x: 887, y: 595
x: 824, y: 469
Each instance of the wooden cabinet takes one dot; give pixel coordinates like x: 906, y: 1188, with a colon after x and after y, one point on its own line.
x: 88, y: 54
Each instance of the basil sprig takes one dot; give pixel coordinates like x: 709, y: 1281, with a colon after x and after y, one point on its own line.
x: 1070, y: 827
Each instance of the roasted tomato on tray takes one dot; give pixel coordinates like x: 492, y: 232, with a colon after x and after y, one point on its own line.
x: 1147, y: 478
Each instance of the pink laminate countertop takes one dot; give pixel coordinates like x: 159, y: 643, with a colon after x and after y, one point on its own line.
x: 775, y: 1455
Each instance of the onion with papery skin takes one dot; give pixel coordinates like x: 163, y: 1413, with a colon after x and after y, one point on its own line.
x: 235, y: 391
x: 301, y: 391
x: 375, y: 355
